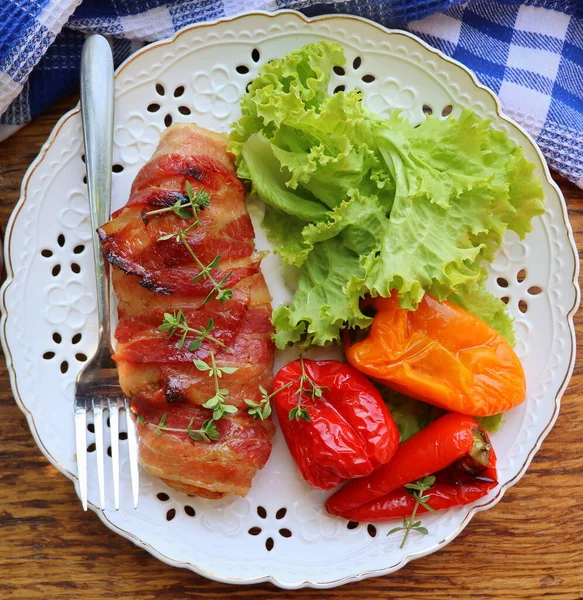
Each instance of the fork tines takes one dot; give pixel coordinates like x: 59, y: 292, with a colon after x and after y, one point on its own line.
x: 100, y: 406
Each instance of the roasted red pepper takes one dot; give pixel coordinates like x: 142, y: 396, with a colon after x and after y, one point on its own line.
x: 334, y: 421
x: 455, y: 448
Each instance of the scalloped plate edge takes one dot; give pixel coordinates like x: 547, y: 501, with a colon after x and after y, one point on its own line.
x: 270, y: 578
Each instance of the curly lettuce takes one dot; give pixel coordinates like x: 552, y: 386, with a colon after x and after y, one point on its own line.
x: 363, y: 205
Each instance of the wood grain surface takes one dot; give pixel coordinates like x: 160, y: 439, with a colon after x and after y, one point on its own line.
x: 529, y: 546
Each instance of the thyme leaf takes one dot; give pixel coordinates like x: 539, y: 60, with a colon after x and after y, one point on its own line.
x: 262, y: 409
x: 217, y: 403
x: 307, y: 386
x: 207, y: 433
x: 186, y: 207
x: 176, y: 322
x: 416, y: 490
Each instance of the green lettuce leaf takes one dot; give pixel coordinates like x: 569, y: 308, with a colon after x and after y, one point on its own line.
x: 321, y: 306
x: 265, y: 172
x: 285, y: 232
x: 411, y: 416
x: 364, y: 205
x: 492, y: 423
x: 477, y: 300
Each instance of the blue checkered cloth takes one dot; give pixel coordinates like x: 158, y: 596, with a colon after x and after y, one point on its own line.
x: 529, y: 52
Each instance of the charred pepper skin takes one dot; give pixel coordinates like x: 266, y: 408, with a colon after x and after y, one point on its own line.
x: 455, y: 448
x: 350, y: 432
x: 440, y: 354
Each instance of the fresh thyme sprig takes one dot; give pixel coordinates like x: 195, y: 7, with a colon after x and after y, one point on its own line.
x: 217, y: 402
x: 262, y: 409
x: 219, y: 287
x: 300, y: 411
x: 176, y: 323
x: 206, y: 433
x: 186, y: 208
x: 416, y: 490
x: 189, y: 208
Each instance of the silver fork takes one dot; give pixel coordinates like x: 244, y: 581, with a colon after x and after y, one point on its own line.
x: 97, y: 387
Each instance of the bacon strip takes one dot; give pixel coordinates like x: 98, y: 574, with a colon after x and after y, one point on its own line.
x: 153, y: 277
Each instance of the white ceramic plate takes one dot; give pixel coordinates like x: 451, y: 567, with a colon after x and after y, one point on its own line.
x: 279, y: 532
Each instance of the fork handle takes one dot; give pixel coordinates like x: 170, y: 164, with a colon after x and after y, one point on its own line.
x: 97, y: 101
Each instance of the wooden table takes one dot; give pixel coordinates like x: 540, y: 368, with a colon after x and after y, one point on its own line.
x: 529, y: 546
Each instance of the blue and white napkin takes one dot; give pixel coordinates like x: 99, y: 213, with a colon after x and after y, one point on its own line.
x: 529, y: 52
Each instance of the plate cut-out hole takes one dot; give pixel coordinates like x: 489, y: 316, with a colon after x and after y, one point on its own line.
x: 85, y: 179
x: 522, y: 306
x: 339, y: 88
x: 371, y: 530
x: 75, y: 268
x: 286, y: 533
x: 446, y: 110
x: 168, y: 120
x: 61, y: 240
x: 46, y: 253
x: 82, y: 157
x: 255, y: 55
x: 109, y: 451
x: 248, y: 86
x: 503, y: 283
x: 339, y: 70
x: 160, y: 89
x: 535, y: 290
x: 91, y: 447
x: 48, y: 355
x: 356, y: 63
x: 254, y: 531
x: 280, y: 514
x: 521, y: 275
x: 171, y: 514
x: 107, y: 422
x: 269, y: 544
x: 179, y: 91
x: 184, y: 110
x: 351, y: 525
x: 123, y: 435
x: 189, y: 511
x: 427, y: 109
x: 505, y: 299
x: 242, y: 69
x: 78, y: 249
x: 262, y: 512
x: 76, y: 338
x: 153, y: 107
x: 368, y: 78
x: 56, y: 270
x: 163, y: 497
x: 81, y: 357
x: 64, y: 367
x: 57, y: 338
x: 117, y: 168
x: 91, y: 428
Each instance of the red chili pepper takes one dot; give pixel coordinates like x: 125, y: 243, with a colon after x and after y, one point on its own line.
x: 346, y: 432
x: 455, y: 448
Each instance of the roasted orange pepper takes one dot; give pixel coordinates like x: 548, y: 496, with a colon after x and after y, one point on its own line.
x: 441, y: 354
